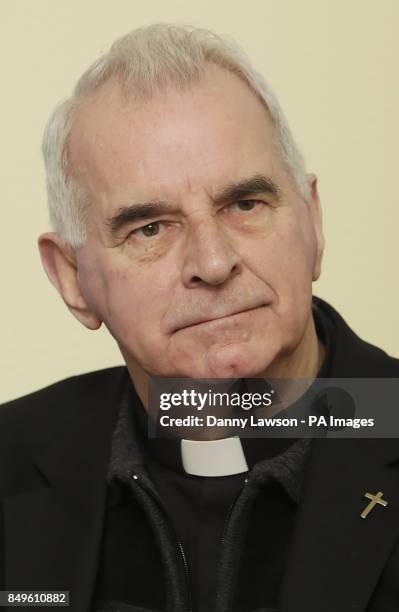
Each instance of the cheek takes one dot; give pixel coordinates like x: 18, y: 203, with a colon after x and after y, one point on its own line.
x: 296, y: 246
x: 284, y: 261
x: 285, y: 253
x: 134, y: 302
x: 93, y: 285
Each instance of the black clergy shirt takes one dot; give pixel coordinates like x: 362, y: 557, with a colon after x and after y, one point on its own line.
x: 199, y: 509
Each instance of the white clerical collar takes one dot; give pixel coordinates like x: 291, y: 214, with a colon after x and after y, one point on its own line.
x: 223, y: 457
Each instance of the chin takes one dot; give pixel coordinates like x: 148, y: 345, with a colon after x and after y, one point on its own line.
x: 230, y: 361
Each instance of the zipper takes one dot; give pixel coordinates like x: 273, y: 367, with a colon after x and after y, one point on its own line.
x: 225, y: 526
x: 230, y: 511
x: 144, y: 487
x: 187, y: 574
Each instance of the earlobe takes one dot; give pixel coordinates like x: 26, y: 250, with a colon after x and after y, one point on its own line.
x: 60, y: 266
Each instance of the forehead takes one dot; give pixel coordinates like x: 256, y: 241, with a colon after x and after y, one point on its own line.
x: 215, y: 131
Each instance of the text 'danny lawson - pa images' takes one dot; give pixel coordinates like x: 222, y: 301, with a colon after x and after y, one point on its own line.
x: 205, y: 409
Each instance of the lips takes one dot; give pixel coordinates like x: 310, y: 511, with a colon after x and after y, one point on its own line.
x: 194, y: 322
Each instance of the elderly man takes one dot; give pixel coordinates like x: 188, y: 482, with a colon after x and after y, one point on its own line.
x: 185, y: 221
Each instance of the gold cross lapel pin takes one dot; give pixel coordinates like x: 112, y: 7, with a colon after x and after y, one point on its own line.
x: 374, y: 500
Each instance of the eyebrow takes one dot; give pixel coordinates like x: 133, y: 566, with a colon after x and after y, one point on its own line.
x: 254, y: 185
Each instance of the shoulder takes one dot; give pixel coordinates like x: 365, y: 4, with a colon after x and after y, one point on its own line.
x: 353, y: 356
x: 29, y: 415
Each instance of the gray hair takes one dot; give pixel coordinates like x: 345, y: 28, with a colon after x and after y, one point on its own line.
x: 144, y: 61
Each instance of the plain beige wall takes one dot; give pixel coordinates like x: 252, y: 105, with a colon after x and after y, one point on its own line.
x: 334, y: 67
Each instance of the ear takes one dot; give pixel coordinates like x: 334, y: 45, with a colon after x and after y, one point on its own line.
x: 317, y: 219
x: 59, y: 263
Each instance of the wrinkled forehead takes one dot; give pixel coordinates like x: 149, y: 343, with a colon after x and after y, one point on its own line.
x: 198, y: 137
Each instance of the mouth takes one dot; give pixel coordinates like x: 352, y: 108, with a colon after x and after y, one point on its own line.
x: 224, y: 316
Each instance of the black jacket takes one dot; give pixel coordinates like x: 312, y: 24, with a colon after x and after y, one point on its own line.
x: 54, y: 451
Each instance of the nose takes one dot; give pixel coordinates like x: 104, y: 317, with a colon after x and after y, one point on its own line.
x: 210, y: 257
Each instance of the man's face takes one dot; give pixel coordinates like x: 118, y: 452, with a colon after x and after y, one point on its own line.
x: 212, y: 274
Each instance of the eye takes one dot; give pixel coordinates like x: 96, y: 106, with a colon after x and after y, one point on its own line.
x: 245, y: 205
x: 148, y: 231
